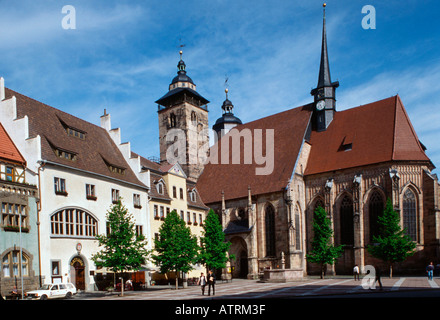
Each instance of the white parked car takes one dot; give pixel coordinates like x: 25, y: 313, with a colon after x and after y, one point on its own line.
x: 52, y: 291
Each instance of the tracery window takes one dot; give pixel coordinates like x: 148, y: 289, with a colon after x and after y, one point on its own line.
x: 375, y: 209
x: 410, y: 214
x: 270, y: 230
x: 346, y: 221
x: 11, y: 264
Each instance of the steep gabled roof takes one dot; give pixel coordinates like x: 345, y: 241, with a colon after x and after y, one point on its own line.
x: 289, y: 131
x: 94, y: 153
x: 8, y: 150
x: 377, y: 132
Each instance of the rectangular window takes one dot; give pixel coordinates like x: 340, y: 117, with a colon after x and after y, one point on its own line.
x: 168, y: 211
x: 195, y: 218
x: 115, y: 195
x: 200, y: 219
x: 55, y: 268
x: 10, y: 174
x: 12, y: 216
x: 161, y: 213
x: 60, y: 186
x: 156, y: 212
x: 90, y: 192
x: 174, y: 192
x: 182, y: 215
x: 139, y: 231
x: 188, y: 217
x: 137, y: 200
x: 181, y: 193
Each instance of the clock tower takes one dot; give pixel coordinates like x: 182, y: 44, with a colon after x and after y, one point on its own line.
x: 324, y: 94
x: 183, y: 124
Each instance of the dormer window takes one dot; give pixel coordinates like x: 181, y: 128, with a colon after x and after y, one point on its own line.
x: 160, y: 187
x: 76, y: 133
x: 193, y: 196
x: 116, y: 169
x: 72, y: 131
x: 347, y: 143
x: 64, y: 154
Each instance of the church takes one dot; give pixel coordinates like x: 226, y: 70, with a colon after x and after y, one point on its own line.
x: 349, y: 162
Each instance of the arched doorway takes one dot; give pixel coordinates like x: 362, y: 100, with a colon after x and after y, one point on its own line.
x: 77, y: 272
x: 240, y: 264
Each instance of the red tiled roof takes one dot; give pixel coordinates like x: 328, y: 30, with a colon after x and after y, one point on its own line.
x: 8, y: 150
x: 94, y: 153
x: 378, y: 132
x: 289, y: 129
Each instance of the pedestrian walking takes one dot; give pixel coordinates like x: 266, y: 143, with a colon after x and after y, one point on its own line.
x: 356, y: 272
x: 211, y: 283
x: 378, y: 275
x: 430, y: 270
x: 202, y: 283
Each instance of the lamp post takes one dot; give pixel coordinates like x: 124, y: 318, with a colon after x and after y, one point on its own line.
x: 21, y: 254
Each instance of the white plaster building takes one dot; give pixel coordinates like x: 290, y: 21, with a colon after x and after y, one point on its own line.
x: 80, y: 169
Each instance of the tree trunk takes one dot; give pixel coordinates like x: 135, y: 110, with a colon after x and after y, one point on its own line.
x: 322, y: 271
x: 177, y: 280
x: 391, y: 270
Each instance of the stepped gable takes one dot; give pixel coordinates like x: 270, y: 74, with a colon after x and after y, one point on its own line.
x: 94, y: 153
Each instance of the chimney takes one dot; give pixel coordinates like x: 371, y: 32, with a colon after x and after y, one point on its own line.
x: 105, y: 121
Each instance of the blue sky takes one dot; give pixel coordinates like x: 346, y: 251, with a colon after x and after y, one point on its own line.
x: 123, y: 55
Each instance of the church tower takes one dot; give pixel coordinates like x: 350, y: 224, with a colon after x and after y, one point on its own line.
x: 183, y: 124
x: 227, y: 121
x: 324, y: 94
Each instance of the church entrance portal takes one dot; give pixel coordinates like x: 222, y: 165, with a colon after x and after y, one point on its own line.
x: 240, y: 264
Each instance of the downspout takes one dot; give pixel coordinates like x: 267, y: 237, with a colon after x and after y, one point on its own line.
x: 42, y: 164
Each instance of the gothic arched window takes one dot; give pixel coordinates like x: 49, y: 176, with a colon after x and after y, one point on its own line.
x: 410, y: 214
x: 318, y: 203
x: 346, y: 221
x: 375, y: 209
x: 270, y: 230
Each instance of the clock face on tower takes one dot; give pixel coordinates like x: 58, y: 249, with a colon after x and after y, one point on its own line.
x: 320, y: 105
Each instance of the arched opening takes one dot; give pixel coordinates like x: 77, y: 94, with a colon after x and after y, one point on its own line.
x: 375, y: 210
x: 77, y: 273
x: 240, y: 268
x: 269, y: 222
x: 346, y: 221
x: 410, y: 214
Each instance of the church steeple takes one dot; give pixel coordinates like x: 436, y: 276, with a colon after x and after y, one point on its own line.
x: 227, y: 121
x: 324, y: 93
x: 324, y: 68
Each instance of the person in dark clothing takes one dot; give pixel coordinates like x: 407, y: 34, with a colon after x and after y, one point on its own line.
x: 211, y: 283
x: 378, y: 275
x: 430, y: 270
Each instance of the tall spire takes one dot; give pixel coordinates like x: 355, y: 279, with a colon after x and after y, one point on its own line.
x: 324, y: 69
x: 324, y: 93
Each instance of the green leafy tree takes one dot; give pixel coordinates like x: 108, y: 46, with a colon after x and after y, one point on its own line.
x: 323, y: 251
x: 122, y: 249
x: 176, y: 248
x: 213, y: 251
x: 392, y: 244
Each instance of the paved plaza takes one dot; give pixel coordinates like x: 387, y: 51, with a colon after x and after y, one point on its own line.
x: 307, y: 288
